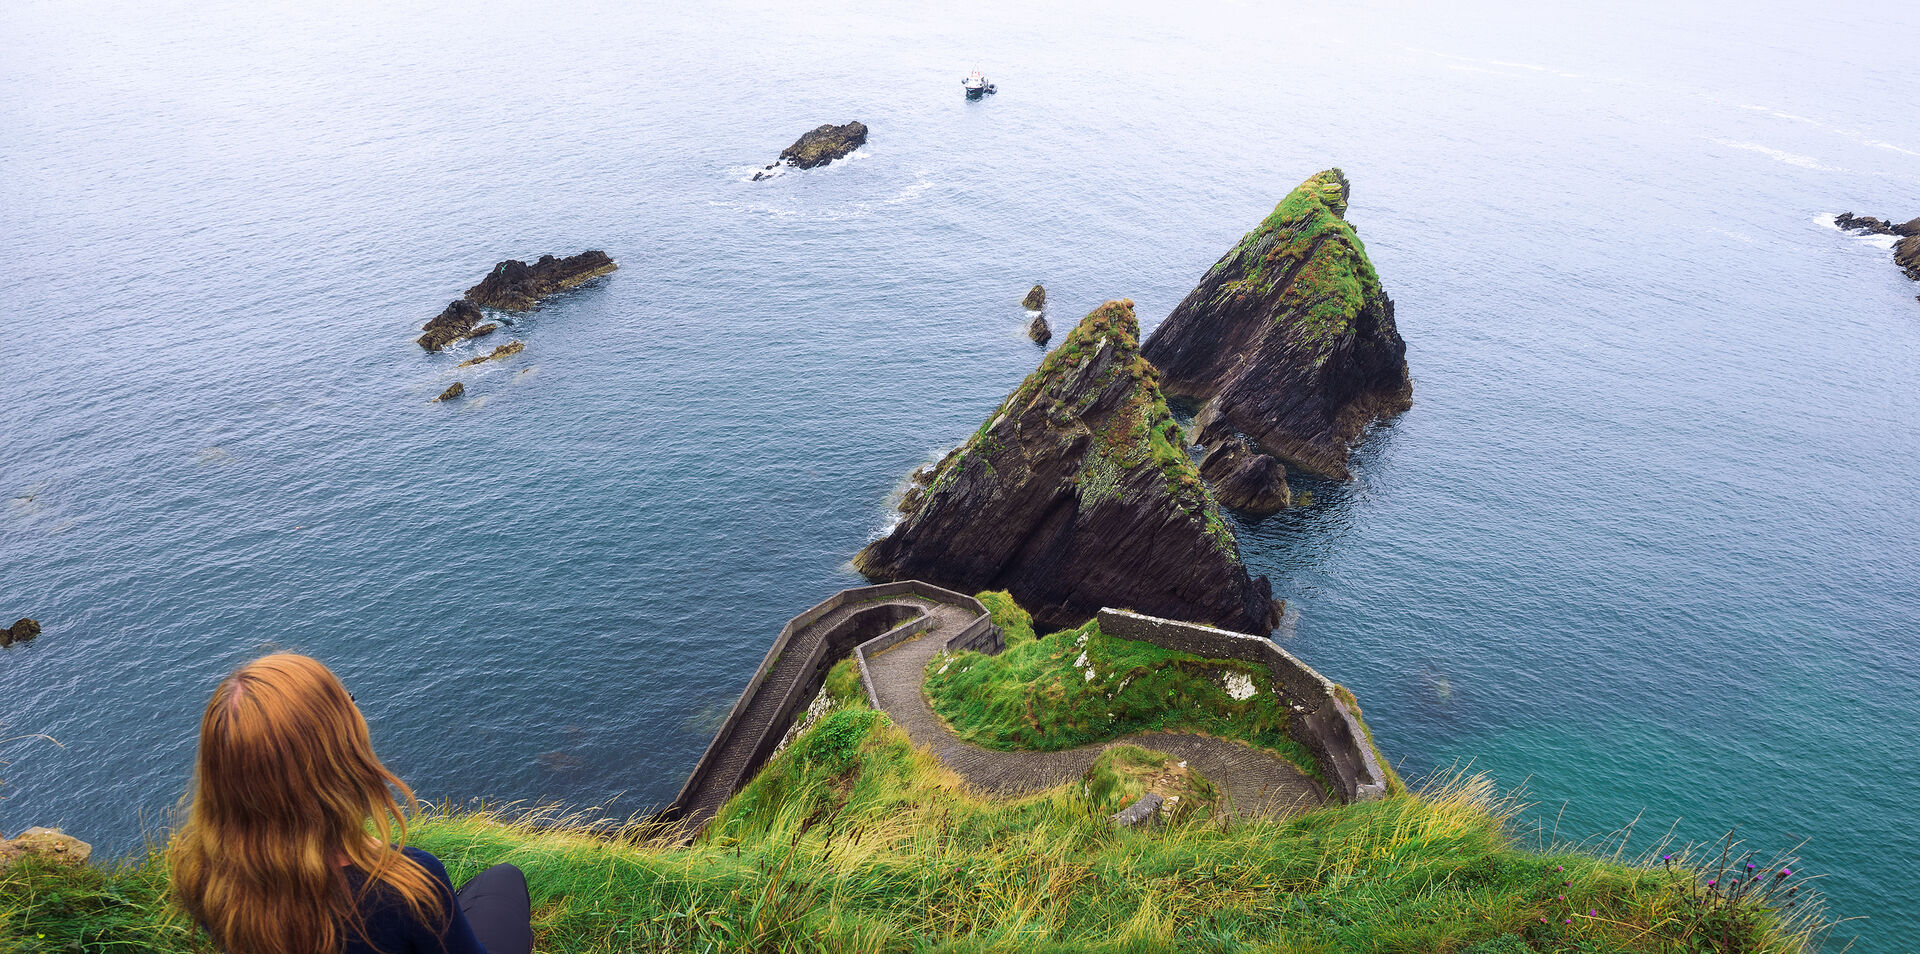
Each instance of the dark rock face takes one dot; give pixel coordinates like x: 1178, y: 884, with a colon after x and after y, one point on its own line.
x: 1245, y: 479
x: 1289, y: 338
x: 1038, y: 330
x: 21, y: 631
x: 451, y: 325
x: 510, y: 348
x: 1077, y: 494
x: 825, y: 144
x: 1906, y: 252
x: 1035, y: 300
x: 514, y: 285
x: 452, y: 392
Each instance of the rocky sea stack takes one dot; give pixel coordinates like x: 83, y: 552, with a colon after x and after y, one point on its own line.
x: 514, y: 285
x: 1906, y: 252
x: 1076, y: 494
x: 1289, y: 338
x: 1036, y: 298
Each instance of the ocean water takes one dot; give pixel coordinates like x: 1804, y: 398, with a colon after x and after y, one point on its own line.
x: 1646, y: 544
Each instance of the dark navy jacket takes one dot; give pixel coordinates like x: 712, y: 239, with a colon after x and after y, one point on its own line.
x: 392, y: 930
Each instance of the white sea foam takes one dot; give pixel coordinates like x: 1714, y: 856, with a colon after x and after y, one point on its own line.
x: 1781, y: 155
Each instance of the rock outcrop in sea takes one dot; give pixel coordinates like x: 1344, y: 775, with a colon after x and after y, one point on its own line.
x: 514, y: 285
x: 1039, y: 330
x: 453, y: 391
x: 820, y: 147
x: 1246, y: 479
x: 461, y: 319
x: 1077, y: 493
x: 510, y: 348
x: 1036, y: 299
x: 1906, y: 252
x: 1289, y: 338
x: 21, y: 631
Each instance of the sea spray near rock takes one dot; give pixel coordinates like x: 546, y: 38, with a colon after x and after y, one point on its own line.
x: 1077, y: 494
x: 1289, y: 337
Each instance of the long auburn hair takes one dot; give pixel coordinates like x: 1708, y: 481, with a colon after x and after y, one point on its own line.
x: 285, y: 788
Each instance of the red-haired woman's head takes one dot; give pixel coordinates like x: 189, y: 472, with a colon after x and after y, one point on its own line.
x: 286, y: 794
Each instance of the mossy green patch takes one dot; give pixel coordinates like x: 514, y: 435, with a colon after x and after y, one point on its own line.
x: 1306, y: 242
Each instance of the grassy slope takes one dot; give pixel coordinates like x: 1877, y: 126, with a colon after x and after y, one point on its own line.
x: 1036, y: 694
x: 852, y: 840
x: 1332, y: 286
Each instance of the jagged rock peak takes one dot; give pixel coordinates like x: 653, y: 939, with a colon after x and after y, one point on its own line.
x: 1077, y: 493
x: 1036, y: 298
x: 513, y: 285
x: 1039, y: 330
x: 1289, y: 337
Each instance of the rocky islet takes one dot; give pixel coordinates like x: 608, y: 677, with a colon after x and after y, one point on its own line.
x: 514, y: 285
x: 819, y: 147
x: 1245, y: 479
x: 22, y: 630
x: 1076, y: 494
x: 1289, y: 339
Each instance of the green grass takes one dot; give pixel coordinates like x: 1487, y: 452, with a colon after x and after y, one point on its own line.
x: 852, y: 840
x: 1037, y: 694
x: 1308, y: 231
x: 1123, y: 773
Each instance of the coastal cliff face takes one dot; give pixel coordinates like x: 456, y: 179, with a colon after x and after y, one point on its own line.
x: 1289, y: 338
x: 514, y: 285
x: 1077, y: 494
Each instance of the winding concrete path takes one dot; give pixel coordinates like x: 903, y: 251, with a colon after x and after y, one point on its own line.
x: 1253, y: 781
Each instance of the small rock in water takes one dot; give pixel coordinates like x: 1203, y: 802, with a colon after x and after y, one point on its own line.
x: 825, y: 144
x: 1037, y: 330
x: 21, y: 631
x: 452, y: 392
x: 1036, y: 299
x: 451, y: 325
x: 510, y: 348
x: 1245, y: 479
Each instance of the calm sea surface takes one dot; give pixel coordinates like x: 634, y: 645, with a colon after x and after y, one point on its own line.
x: 1646, y: 544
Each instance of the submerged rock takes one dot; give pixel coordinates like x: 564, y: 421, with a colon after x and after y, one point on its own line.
x: 1289, y: 338
x: 1038, y: 330
x: 510, y: 348
x: 1036, y: 299
x: 1077, y: 494
x: 21, y: 631
x: 451, y: 325
x: 452, y: 392
x: 825, y: 144
x: 514, y: 285
x: 1245, y: 479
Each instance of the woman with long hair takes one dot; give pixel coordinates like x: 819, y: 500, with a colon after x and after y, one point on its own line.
x: 295, y: 839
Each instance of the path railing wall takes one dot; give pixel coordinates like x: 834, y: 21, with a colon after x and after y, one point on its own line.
x: 1327, y: 727
x: 755, y: 725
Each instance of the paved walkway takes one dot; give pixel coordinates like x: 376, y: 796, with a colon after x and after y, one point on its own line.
x: 1253, y: 781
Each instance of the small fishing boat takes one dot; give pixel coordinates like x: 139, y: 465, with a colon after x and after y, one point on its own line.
x: 976, y: 85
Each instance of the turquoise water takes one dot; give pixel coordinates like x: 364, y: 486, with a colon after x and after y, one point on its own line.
x: 1645, y: 545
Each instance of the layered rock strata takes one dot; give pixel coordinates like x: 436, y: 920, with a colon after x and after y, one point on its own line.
x: 1245, y: 479
x: 1289, y: 338
x: 1906, y: 251
x: 1077, y: 494
x: 514, y: 285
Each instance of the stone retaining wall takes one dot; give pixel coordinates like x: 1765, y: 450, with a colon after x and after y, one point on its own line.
x: 1327, y: 728
x: 807, y: 654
